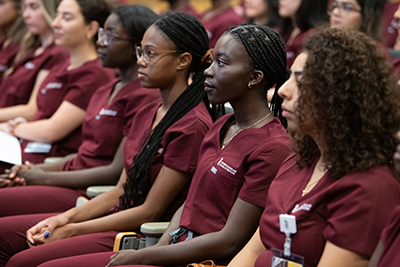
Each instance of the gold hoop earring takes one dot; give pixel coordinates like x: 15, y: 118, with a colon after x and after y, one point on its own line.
x: 249, y: 85
x: 88, y: 36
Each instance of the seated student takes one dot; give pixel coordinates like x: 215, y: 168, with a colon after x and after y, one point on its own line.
x: 340, y: 187
x: 107, y: 122
x: 390, y: 25
x: 218, y: 19
x: 38, y: 54
x: 238, y: 159
x: 300, y: 17
x: 12, y: 31
x: 359, y: 15
x: 164, y: 150
x: 386, y: 253
x: 261, y: 12
x: 64, y: 95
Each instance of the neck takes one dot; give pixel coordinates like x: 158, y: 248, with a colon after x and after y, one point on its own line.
x: 261, y: 20
x: 47, y: 38
x: 5, y: 29
x: 294, y: 24
x: 129, y: 73
x: 170, y: 94
x: 250, y: 110
x: 178, y: 5
x: 220, y: 4
x: 81, y: 54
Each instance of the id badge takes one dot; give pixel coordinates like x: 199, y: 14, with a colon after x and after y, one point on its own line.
x: 36, y: 147
x: 280, y: 260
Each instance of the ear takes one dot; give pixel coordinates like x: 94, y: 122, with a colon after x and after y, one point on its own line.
x: 184, y: 61
x: 256, y: 77
x: 92, y: 28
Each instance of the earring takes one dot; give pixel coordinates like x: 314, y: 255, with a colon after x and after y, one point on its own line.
x: 249, y: 85
x: 88, y: 36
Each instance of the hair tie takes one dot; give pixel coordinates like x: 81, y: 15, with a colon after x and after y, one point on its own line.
x: 206, y: 59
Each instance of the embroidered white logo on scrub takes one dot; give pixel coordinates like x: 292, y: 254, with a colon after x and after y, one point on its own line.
x: 51, y: 86
x: 107, y: 112
x: 226, y: 167
x: 30, y: 66
x: 304, y: 206
x: 214, y: 170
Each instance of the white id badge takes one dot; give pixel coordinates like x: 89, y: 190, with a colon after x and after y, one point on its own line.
x: 36, y: 147
x: 280, y: 260
x: 288, y: 223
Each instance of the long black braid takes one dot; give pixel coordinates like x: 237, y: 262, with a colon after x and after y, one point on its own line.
x: 189, y: 35
x: 267, y: 50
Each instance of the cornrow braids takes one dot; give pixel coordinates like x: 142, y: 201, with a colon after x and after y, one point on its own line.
x: 267, y: 50
x: 189, y: 35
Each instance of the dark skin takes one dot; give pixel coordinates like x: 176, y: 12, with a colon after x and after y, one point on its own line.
x: 230, y: 59
x: 87, y: 219
x: 119, y: 54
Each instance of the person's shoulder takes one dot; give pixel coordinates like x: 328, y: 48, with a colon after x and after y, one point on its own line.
x: 197, y: 118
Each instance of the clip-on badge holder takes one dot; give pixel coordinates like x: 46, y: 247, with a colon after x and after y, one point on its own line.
x: 285, y: 258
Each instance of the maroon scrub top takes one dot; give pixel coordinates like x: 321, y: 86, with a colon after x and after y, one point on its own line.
x: 7, y: 56
x: 244, y: 168
x: 389, y: 25
x: 350, y: 212
x: 391, y: 241
x: 179, y: 148
x: 219, y: 23
x: 106, y: 123
x: 16, y: 87
x: 75, y: 86
x: 296, y: 47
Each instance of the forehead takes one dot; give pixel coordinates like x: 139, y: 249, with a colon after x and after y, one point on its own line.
x: 113, y: 21
x: 70, y: 6
x: 299, y: 63
x: 231, y: 47
x: 351, y: 2
x: 154, y: 37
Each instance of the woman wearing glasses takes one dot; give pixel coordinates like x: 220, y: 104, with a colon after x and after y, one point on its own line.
x: 62, y: 98
x: 359, y: 15
x: 107, y: 122
x: 160, y: 155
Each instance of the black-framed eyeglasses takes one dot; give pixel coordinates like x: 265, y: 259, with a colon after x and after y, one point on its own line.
x: 344, y: 6
x: 107, y: 36
x: 149, y: 54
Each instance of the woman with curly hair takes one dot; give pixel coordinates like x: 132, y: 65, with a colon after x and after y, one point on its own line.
x: 340, y: 187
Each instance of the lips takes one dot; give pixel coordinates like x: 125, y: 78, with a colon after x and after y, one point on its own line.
x: 208, y: 87
x: 141, y: 74
x: 286, y: 112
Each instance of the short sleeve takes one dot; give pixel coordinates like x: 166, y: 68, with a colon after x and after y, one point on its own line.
x: 83, y: 85
x: 359, y: 208
x: 183, y: 149
x: 262, y: 169
x: 56, y: 55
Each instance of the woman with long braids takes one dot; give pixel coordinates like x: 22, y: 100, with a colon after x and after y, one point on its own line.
x: 340, y: 187
x: 164, y: 148
x: 238, y: 159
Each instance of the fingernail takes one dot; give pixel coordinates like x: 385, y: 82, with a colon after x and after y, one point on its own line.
x: 46, y: 234
x: 32, y: 243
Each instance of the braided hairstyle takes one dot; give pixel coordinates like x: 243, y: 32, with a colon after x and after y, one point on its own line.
x: 188, y: 35
x: 266, y: 49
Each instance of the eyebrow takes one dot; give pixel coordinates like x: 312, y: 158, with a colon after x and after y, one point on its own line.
x: 222, y: 54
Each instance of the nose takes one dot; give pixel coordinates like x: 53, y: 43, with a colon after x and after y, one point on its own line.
x: 208, y: 72
x: 285, y: 90
x: 56, y: 22
x: 25, y: 13
x: 140, y: 61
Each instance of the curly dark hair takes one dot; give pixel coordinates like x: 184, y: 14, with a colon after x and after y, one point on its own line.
x: 352, y: 93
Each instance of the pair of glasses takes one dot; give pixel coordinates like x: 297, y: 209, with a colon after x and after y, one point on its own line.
x: 342, y: 6
x: 107, y: 36
x: 149, y: 54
